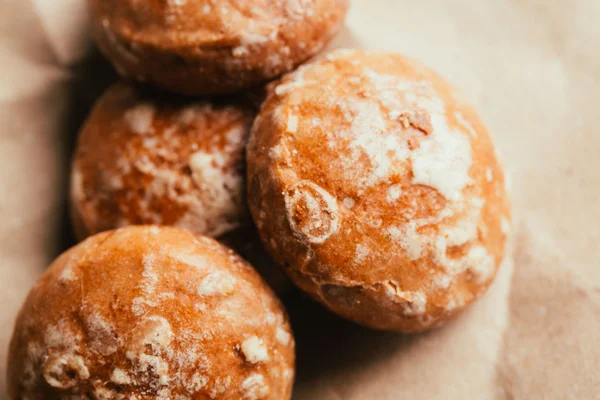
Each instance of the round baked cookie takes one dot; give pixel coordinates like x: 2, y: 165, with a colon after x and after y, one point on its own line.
x: 377, y: 188
x: 151, y: 312
x: 212, y: 46
x: 147, y: 158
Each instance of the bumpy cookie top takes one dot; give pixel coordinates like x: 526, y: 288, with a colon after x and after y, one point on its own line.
x: 368, y: 173
x: 151, y: 313
x: 148, y: 158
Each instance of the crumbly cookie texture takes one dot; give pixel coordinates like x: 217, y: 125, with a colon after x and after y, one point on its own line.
x: 151, y: 313
x: 146, y: 158
x: 207, y: 47
x: 377, y: 188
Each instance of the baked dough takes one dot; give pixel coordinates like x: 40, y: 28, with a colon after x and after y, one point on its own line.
x: 151, y: 312
x: 144, y: 157
x: 377, y: 188
x: 207, y: 46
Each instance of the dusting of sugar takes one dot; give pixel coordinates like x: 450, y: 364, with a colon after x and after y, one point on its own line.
x: 481, y: 263
x: 319, y: 218
x: 361, y: 253
x: 60, y: 336
x: 462, y: 121
x: 292, y: 123
x: 442, y: 281
x: 65, y: 370
x: 394, y: 192
x: 348, y: 202
x: 151, y: 368
x: 67, y: 273
x: 216, y: 283
x: 104, y: 393
x: 271, y: 318
x: 197, y: 382
x: 154, y: 230
x: 254, y: 350
x: 120, y: 377
x: 206, y: 9
x: 413, y: 302
x: 140, y: 118
x: 297, y: 82
x: 369, y: 135
x: 254, y: 387
x: 442, y: 161
x: 156, y: 332
x: 220, y: 187
x: 100, y: 332
x: 282, y: 336
x: 488, y: 174
x: 195, y: 260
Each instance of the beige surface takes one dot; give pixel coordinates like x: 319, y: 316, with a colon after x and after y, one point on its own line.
x: 532, y: 69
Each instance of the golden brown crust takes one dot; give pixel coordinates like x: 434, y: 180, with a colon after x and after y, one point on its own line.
x: 207, y: 47
x: 151, y: 313
x: 378, y: 190
x: 144, y: 157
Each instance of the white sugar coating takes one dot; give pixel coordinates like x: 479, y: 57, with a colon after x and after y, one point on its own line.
x: 65, y: 370
x: 254, y: 387
x: 465, y: 124
x: 216, y: 283
x: 147, y: 286
x: 442, y: 281
x: 394, y: 192
x: 207, y: 9
x: 61, y: 336
x: 149, y: 276
x: 140, y: 118
x: 197, y: 382
x: 292, y: 123
x: 322, y: 219
x: 481, y: 263
x: 368, y: 135
x: 442, y: 161
x: 348, y: 202
x: 505, y: 225
x: 282, y: 336
x: 101, y: 336
x: 149, y: 365
x: 195, y: 260
x: 488, y: 174
x: 120, y: 377
x: 104, y: 393
x: 361, y: 253
x: 414, y: 303
x: 254, y: 350
x: 219, y: 189
x: 154, y: 230
x: 67, y: 273
x: 156, y: 332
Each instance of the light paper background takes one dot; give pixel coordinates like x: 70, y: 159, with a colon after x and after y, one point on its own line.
x: 532, y: 69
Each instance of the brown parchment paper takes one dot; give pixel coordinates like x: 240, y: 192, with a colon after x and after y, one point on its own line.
x: 531, y: 67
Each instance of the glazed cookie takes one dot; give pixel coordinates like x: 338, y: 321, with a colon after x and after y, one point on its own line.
x: 377, y: 188
x: 151, y: 312
x: 207, y: 46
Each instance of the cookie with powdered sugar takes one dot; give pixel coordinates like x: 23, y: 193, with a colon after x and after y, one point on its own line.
x: 377, y: 188
x: 206, y: 46
x: 150, y: 312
